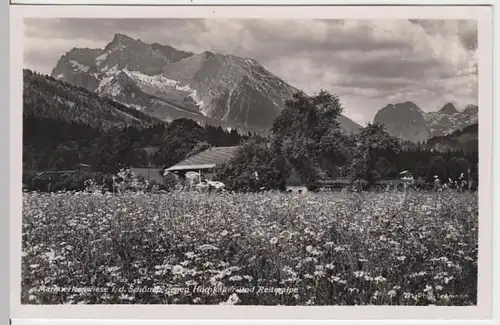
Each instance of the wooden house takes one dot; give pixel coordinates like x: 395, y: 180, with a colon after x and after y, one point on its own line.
x: 203, y: 163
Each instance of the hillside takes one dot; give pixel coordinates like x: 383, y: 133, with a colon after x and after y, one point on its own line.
x: 465, y: 139
x: 161, y: 81
x: 46, y: 97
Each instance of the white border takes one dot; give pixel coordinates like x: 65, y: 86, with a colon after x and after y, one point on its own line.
x: 251, y: 2
x: 482, y: 311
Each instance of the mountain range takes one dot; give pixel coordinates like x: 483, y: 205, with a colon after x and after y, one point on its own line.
x: 167, y: 83
x: 409, y: 122
x: 221, y: 89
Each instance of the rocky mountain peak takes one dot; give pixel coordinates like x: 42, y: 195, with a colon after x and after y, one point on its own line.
x: 122, y: 40
x: 407, y: 121
x: 448, y: 108
x: 471, y: 109
x: 169, y: 83
x: 404, y: 120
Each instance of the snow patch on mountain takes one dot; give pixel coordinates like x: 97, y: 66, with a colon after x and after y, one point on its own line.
x: 101, y: 58
x: 110, y: 71
x: 137, y: 107
x: 444, y: 123
x: 162, y: 82
x: 110, y: 86
x: 152, y: 81
x: 199, y: 102
x: 77, y: 65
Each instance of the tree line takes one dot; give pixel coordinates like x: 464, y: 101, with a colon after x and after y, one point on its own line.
x: 64, y: 126
x: 306, y: 138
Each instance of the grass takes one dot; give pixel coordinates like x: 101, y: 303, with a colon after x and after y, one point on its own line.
x: 267, y: 249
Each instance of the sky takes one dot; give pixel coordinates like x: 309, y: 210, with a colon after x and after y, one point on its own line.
x: 367, y: 63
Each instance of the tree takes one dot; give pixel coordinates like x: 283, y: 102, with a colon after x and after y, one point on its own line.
x: 336, y: 150
x: 312, y: 117
x: 181, y: 137
x: 385, y: 168
x: 437, y: 167
x: 419, y: 170
x: 199, y: 147
x: 65, y: 157
x: 112, y: 151
x: 373, y: 143
x: 140, y: 157
x: 459, y: 168
x: 298, y: 131
x: 254, y: 166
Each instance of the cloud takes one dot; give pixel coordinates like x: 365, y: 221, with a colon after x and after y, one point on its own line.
x: 368, y: 63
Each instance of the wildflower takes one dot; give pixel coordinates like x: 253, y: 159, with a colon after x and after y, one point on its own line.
x: 359, y: 274
x: 391, y: 293
x: 339, y: 249
x: 235, y: 278
x: 319, y: 273
x: 329, y: 266
x: 232, y: 300
x: 113, y: 269
x: 329, y: 244
x: 273, y: 240
x: 177, y: 269
x: 207, y: 247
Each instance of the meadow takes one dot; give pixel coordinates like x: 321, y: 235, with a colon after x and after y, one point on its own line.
x: 395, y: 248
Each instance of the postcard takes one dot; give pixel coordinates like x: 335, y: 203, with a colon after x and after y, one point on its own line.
x: 321, y: 162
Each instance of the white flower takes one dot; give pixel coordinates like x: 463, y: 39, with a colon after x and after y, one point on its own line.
x: 207, y: 247
x: 177, y: 269
x: 339, y: 249
x: 232, y: 300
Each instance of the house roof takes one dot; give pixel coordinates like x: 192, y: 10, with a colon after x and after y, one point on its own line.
x: 148, y: 173
x: 206, y: 159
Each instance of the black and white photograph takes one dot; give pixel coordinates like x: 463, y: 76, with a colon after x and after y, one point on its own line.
x: 250, y: 161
